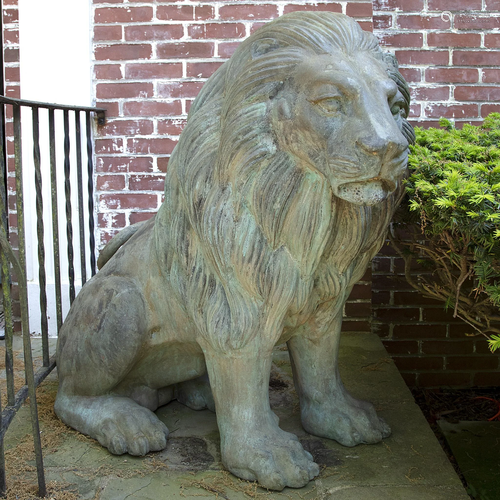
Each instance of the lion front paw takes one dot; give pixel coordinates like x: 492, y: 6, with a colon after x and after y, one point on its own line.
x: 274, y: 458
x: 346, y: 420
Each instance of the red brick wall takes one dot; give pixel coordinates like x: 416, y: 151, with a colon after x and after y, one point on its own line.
x: 448, y: 50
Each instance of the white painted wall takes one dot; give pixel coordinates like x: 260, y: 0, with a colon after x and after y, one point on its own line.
x: 55, y: 62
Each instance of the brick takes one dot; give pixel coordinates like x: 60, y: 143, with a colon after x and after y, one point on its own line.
x: 255, y: 26
x: 432, y: 314
x: 122, y: 52
x: 171, y: 127
x: 153, y: 71
x: 108, y: 1
x: 401, y: 39
x: 123, y: 15
x: 330, y: 7
x: 403, y: 5
x: 127, y: 201
x: 10, y: 16
x: 451, y: 110
x: 112, y: 108
x: 11, y: 55
x: 185, y: 49
x: 419, y: 331
x: 413, y: 298
x: 123, y: 90
x: 492, y: 40
x: 401, y: 346
x: 216, y: 30
x: 470, y: 363
x: 492, y: 5
x: 107, y: 33
x: 476, y: 58
x: 184, y: 12
x: 226, y: 49
x: 201, y: 69
x: 454, y: 40
x: 419, y: 363
x: 250, y: 12
x: 13, y: 91
x: 452, y: 75
x: 106, y: 236
x: 447, y: 347
x: 110, y: 182
x: 12, y: 74
x: 427, y: 57
x: 123, y: 164
x: 128, y: 127
x: 397, y: 314
x: 487, y: 379
x: 153, y: 32
x: 361, y: 292
x: 486, y: 109
x: 430, y: 93
x: 147, y: 182
x: 108, y: 146
x: 382, y: 21
x: 444, y: 379
x: 491, y: 75
x: 381, y: 298
x: 111, y: 220
x: 455, y: 5
x: 151, y: 108
x: 359, y: 9
x: 175, y: 90
x: 475, y: 22
x: 162, y: 163
x: 391, y: 282
x: 421, y: 22
x: 358, y: 309
x: 107, y: 72
x: 411, y: 74
x: 11, y: 36
x: 159, y: 146
x: 136, y: 217
x: 478, y: 93
x: 356, y: 326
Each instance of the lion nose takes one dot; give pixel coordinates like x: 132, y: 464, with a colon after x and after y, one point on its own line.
x: 382, y: 145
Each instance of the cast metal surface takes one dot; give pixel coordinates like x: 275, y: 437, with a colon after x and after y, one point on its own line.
x: 277, y: 196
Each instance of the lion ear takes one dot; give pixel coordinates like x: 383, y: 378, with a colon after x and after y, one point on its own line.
x: 263, y: 46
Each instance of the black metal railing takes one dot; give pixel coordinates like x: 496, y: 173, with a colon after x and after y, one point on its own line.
x: 13, y: 260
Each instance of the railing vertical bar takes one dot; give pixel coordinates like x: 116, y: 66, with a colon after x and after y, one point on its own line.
x: 55, y: 219
x: 5, y: 270
x: 81, y: 219
x: 23, y: 298
x: 42, y: 278
x: 67, y: 191
x: 5, y: 284
x: 90, y: 171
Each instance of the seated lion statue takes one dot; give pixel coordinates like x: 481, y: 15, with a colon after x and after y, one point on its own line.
x: 277, y: 196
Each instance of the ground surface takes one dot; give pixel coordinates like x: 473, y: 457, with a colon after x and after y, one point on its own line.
x: 409, y: 465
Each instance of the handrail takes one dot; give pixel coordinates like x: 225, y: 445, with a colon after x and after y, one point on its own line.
x: 100, y: 112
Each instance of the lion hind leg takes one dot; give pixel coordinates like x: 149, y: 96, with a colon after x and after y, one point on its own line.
x: 196, y: 394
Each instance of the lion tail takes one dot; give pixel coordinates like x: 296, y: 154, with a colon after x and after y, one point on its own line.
x: 116, y: 242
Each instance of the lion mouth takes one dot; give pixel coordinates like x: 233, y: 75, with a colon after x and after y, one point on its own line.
x: 369, y: 192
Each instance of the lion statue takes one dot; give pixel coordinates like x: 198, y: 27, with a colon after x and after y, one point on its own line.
x: 277, y: 196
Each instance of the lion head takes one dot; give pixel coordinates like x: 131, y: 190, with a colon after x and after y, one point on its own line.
x: 301, y: 132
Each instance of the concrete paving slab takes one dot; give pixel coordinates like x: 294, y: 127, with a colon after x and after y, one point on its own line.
x: 408, y: 465
x: 476, y: 447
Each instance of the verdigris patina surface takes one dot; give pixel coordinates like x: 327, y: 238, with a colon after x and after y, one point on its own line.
x: 276, y: 198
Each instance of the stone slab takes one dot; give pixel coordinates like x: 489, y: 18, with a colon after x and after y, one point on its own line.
x: 408, y: 465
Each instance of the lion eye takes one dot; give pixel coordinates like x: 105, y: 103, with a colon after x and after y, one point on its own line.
x: 330, y: 105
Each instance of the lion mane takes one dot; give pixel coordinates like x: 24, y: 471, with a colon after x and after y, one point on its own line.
x: 251, y: 236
